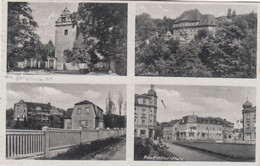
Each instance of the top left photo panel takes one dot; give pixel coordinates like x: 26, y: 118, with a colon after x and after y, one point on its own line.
x: 67, y: 38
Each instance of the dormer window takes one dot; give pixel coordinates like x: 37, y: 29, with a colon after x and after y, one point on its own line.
x: 66, y: 32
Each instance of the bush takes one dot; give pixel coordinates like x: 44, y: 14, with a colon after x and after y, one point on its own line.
x: 140, y: 149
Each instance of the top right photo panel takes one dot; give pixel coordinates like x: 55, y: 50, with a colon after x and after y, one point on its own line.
x: 196, y: 40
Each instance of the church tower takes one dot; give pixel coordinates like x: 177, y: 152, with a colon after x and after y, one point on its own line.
x: 65, y: 34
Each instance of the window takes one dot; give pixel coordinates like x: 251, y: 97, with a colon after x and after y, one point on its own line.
x: 247, y: 116
x: 142, y: 132
x: 143, y: 121
x: 144, y: 101
x: 63, y: 19
x: 84, y: 122
x: 87, y: 110
x: 66, y: 32
x: 79, y: 110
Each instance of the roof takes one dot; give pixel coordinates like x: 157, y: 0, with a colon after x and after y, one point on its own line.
x: 196, y: 16
x: 95, y: 106
x: 171, y: 123
x: 247, y: 104
x: 68, y: 113
x: 34, y: 105
x: 205, y: 120
x: 84, y: 102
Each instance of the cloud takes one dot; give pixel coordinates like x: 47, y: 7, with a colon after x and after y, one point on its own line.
x: 92, y: 94
x: 221, y: 107
x: 169, y: 93
x: 15, y: 93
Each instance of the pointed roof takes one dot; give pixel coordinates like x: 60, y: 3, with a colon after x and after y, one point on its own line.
x: 65, y: 12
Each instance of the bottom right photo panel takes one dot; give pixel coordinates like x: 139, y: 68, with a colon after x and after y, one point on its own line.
x: 195, y: 123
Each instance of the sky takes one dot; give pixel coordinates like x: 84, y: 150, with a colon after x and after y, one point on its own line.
x: 173, y: 10
x: 222, y: 101
x: 46, y: 14
x: 63, y: 95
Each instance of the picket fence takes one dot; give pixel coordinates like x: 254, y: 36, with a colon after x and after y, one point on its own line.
x: 22, y: 144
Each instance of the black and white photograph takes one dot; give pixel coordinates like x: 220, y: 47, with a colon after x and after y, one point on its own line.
x: 195, y: 123
x: 196, y: 40
x: 67, y: 38
x: 66, y: 122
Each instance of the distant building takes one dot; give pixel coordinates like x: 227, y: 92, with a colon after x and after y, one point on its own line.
x: 197, y: 128
x: 170, y: 130
x: 85, y: 114
x: 186, y: 26
x: 145, y: 114
x: 249, y: 121
x: 39, y: 112
x: 168, y: 36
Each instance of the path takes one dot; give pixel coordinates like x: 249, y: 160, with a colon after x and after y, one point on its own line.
x: 120, y: 154
x: 189, y: 154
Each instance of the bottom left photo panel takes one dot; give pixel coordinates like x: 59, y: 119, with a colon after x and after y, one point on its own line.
x: 66, y: 121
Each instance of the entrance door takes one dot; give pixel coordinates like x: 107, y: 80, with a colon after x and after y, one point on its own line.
x: 150, y: 133
x: 51, y: 64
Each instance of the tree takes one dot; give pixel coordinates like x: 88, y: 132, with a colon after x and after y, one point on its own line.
x: 145, y: 26
x: 233, y: 13
x: 110, y: 107
x: 25, y: 123
x: 86, y: 55
x: 105, y: 22
x: 120, y: 102
x: 17, y: 124
x: 229, y: 13
x: 21, y: 38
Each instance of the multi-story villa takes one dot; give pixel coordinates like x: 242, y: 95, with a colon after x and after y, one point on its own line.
x: 145, y: 114
x: 39, y: 112
x: 85, y: 114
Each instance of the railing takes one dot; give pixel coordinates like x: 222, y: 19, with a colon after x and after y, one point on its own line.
x: 24, y: 143
x: 32, y: 143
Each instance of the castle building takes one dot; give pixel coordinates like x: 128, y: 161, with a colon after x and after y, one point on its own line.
x: 145, y: 114
x: 249, y: 121
x: 85, y: 114
x: 187, y: 25
x: 39, y: 112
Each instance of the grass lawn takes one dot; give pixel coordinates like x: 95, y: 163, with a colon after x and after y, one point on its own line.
x: 231, y: 151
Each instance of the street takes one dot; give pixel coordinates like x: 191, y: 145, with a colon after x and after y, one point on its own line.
x: 189, y: 154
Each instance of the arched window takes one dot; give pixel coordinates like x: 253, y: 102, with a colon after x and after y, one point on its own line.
x: 66, y: 32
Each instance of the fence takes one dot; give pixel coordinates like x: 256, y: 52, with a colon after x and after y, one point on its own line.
x: 31, y: 143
